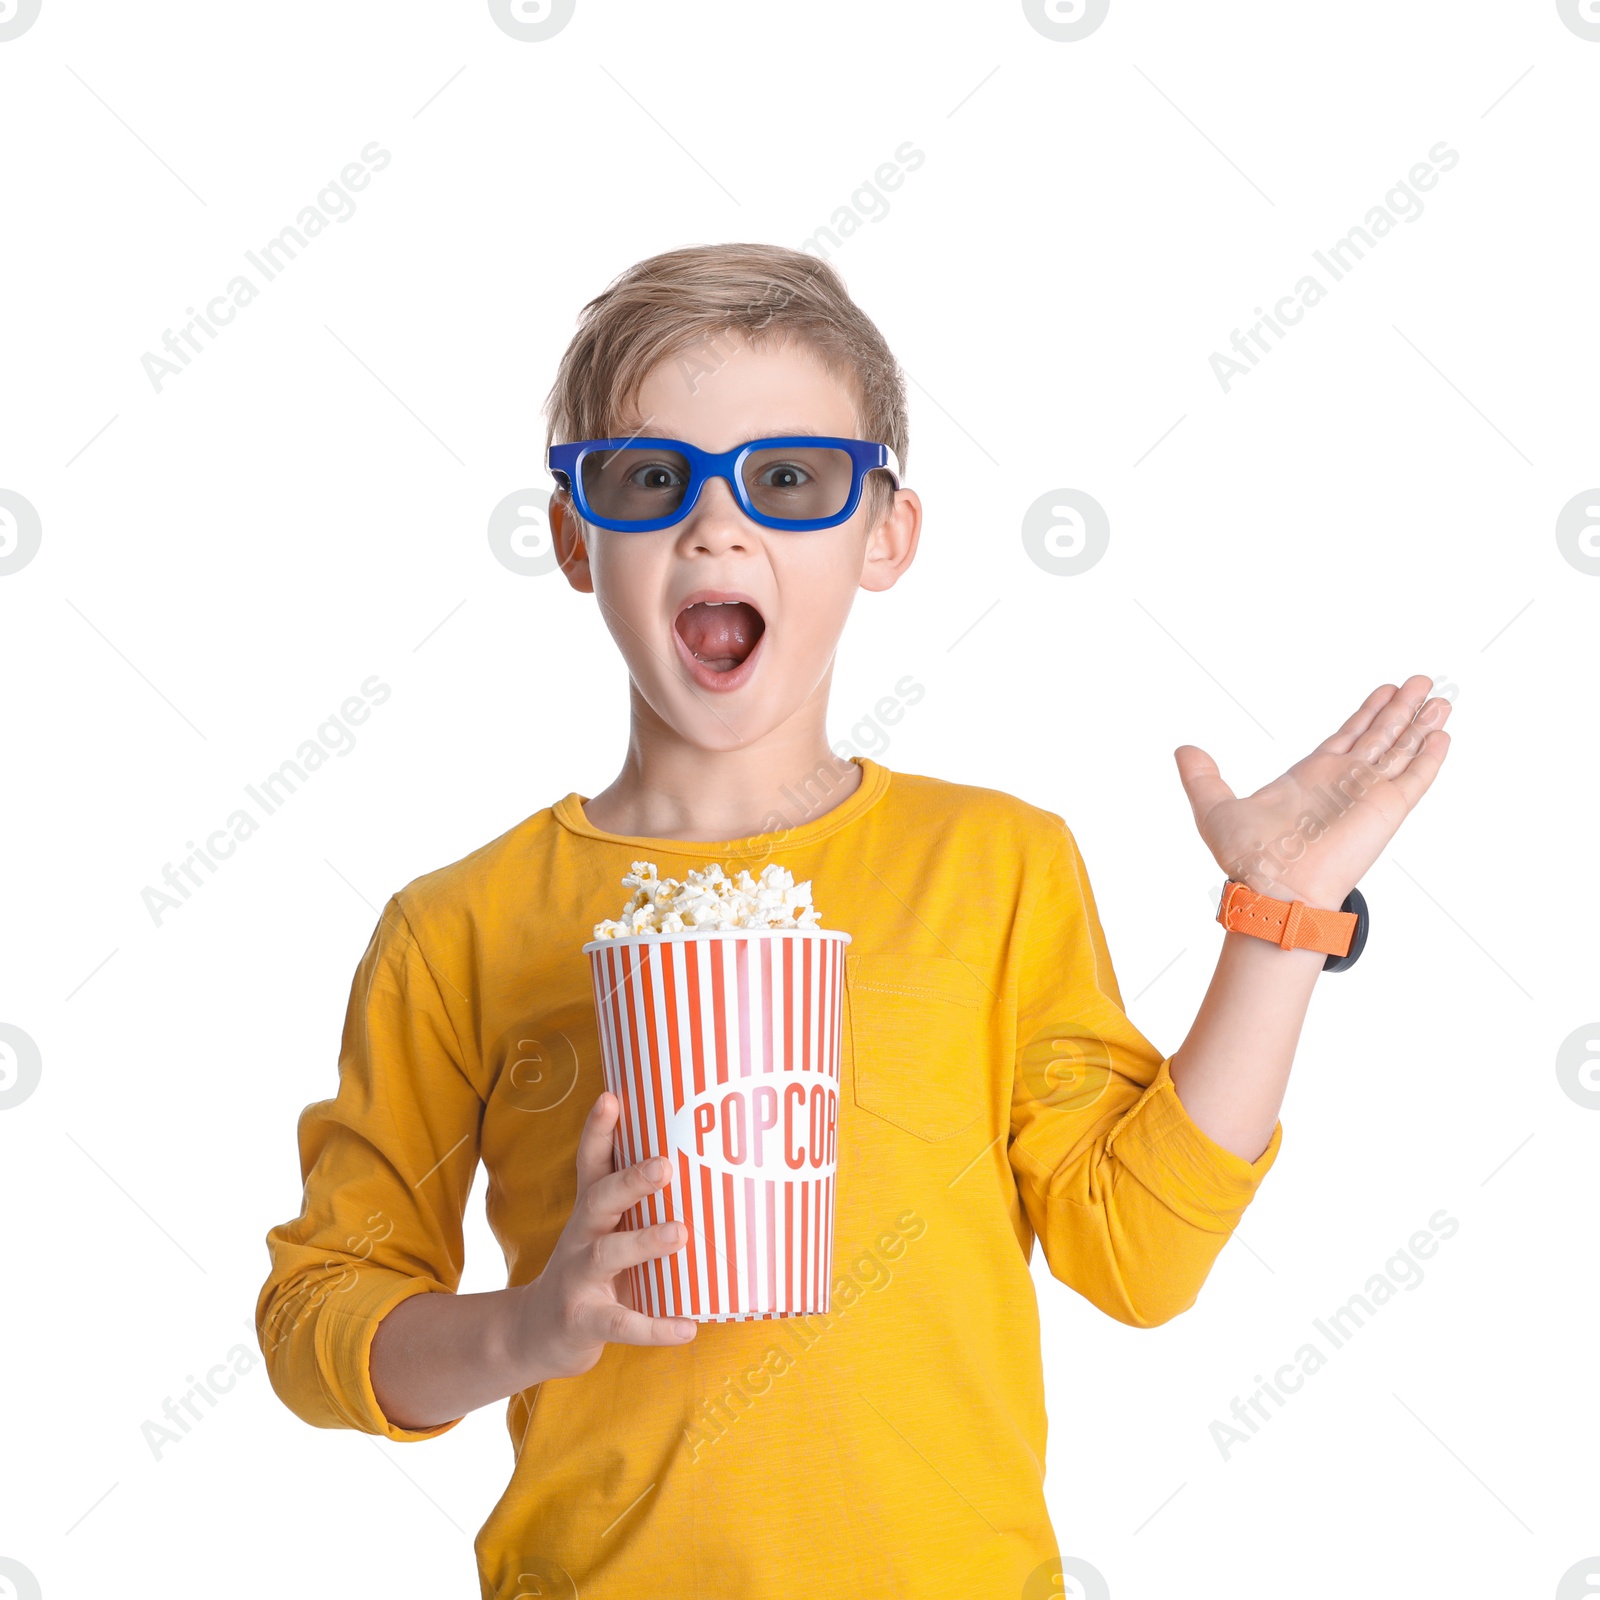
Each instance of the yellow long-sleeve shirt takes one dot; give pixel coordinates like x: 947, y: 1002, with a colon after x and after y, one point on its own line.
x: 993, y: 1091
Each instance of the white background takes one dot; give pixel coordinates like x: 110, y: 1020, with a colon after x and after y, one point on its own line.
x: 223, y: 562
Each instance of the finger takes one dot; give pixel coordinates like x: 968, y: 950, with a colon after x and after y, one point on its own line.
x: 595, y: 1141
x: 1201, y: 781
x: 600, y: 1207
x: 1399, y: 755
x: 611, y: 1323
x: 1424, y: 768
x: 612, y: 1253
x: 1393, y: 720
x: 1359, y: 720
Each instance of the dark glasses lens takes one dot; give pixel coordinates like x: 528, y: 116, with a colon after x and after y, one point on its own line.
x: 635, y: 485
x: 798, y: 484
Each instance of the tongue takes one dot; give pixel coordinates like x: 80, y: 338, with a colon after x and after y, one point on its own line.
x: 722, y: 636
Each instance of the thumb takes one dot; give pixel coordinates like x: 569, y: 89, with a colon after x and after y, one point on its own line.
x: 1201, y: 780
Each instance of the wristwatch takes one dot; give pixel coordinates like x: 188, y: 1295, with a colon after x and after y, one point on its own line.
x: 1293, y: 925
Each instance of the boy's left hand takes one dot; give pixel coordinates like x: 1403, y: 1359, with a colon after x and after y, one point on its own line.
x: 1302, y: 837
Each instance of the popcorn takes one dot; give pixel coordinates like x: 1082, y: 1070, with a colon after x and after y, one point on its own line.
x: 710, y: 899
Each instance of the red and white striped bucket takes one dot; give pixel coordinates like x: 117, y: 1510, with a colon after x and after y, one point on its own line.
x: 723, y: 1049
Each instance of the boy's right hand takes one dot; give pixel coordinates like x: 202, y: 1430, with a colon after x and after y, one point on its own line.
x: 581, y: 1301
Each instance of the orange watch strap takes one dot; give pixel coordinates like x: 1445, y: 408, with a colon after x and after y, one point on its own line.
x: 1290, y: 924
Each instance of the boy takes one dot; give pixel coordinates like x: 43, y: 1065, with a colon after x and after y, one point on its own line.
x: 993, y: 1090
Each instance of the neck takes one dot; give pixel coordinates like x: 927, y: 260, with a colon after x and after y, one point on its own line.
x: 671, y: 788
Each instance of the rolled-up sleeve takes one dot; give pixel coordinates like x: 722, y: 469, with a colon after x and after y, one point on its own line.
x: 387, y: 1166
x: 1130, y: 1200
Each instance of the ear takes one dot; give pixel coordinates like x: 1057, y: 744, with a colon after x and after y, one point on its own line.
x: 892, y: 542
x: 566, y: 536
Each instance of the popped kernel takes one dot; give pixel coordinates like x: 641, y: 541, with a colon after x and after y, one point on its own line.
x: 709, y: 898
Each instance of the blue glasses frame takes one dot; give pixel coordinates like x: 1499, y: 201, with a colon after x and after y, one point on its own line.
x: 565, y: 464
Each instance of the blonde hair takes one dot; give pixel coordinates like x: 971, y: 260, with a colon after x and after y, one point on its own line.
x: 677, y: 301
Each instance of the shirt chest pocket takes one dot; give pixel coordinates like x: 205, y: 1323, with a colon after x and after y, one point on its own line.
x: 918, y: 1041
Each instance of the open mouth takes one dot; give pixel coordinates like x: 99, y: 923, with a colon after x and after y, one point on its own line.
x: 720, y: 633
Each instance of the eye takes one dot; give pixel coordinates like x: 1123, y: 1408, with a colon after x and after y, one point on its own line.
x: 656, y: 475
x: 783, y: 475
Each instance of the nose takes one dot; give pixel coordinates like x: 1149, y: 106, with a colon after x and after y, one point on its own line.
x: 716, y: 524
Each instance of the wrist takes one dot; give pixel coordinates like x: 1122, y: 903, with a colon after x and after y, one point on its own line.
x: 1251, y: 948
x: 1319, y: 897
x: 1291, y: 917
x: 515, y: 1338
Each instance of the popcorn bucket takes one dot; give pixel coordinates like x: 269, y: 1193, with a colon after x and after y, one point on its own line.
x: 723, y: 1048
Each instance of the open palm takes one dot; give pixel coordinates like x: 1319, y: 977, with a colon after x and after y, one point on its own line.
x: 1312, y: 833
